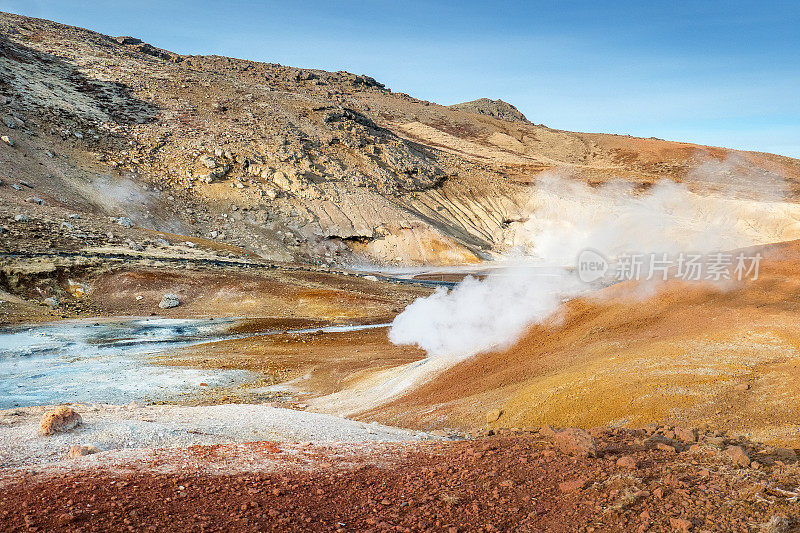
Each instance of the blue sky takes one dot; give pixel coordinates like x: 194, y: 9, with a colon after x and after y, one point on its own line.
x: 724, y: 73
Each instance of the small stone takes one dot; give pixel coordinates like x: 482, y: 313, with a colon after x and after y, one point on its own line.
x: 680, y: 525
x: 572, y: 486
x: 22, y: 218
x: 8, y: 140
x: 626, y: 461
x: 686, y: 435
x: 575, y: 441
x: 493, y: 415
x: 80, y: 451
x: 208, y: 161
x: 664, y: 447
x: 738, y: 456
x: 547, y: 431
x: 58, y: 420
x: 168, y: 301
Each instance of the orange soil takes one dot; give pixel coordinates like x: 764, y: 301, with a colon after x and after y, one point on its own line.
x: 316, y: 363
x: 690, y: 354
x: 289, y: 296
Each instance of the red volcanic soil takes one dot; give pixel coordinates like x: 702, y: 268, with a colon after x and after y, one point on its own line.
x: 639, y: 480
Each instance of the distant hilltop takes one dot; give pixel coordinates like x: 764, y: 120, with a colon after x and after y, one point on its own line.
x: 493, y: 108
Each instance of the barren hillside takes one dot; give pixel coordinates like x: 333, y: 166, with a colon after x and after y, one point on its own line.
x: 289, y: 164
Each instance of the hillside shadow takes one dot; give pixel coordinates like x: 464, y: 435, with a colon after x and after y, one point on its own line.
x: 69, y: 91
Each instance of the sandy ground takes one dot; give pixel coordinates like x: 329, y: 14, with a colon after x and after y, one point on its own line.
x: 115, y: 429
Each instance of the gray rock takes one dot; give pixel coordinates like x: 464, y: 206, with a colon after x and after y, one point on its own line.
x: 22, y: 218
x: 208, y: 161
x: 125, y: 222
x: 168, y: 301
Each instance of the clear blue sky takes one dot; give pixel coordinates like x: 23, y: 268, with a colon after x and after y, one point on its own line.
x: 723, y: 73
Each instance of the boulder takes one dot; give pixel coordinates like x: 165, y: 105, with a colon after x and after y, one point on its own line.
x: 59, y: 420
x: 575, y: 441
x: 168, y: 301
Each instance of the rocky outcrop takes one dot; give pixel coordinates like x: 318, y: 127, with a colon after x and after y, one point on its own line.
x: 492, y: 108
x: 59, y: 420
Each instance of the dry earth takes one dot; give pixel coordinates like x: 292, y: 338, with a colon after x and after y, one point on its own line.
x: 640, y: 480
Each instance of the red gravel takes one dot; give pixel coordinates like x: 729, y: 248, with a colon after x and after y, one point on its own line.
x: 515, y: 482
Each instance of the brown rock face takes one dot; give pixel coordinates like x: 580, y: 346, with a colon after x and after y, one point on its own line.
x: 575, y: 441
x: 59, y: 420
x: 80, y: 451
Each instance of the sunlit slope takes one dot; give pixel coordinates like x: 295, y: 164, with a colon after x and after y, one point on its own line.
x: 689, y: 355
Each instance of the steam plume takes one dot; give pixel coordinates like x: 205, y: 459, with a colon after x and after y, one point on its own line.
x: 720, y: 206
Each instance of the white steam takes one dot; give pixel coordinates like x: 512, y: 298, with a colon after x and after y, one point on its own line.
x: 122, y: 196
x: 720, y: 206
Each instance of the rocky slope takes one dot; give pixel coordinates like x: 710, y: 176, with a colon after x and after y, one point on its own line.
x: 290, y: 164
